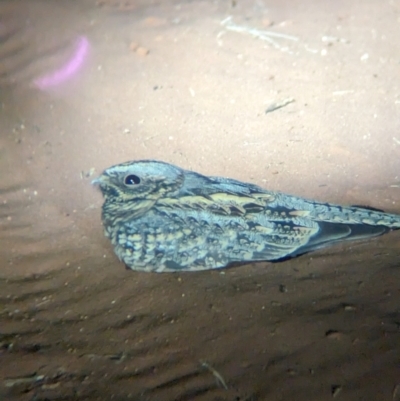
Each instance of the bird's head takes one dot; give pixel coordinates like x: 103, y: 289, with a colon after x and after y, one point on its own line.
x: 146, y: 180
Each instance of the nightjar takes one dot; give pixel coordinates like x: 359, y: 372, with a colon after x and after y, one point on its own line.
x: 162, y: 218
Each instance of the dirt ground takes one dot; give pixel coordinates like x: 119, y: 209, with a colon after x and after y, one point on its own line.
x: 88, y: 84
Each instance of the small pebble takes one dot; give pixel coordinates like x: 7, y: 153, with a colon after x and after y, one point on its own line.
x: 335, y: 390
x: 267, y: 22
x: 133, y: 46
x: 154, y: 22
x: 139, y: 50
x: 334, y: 335
x: 142, y: 51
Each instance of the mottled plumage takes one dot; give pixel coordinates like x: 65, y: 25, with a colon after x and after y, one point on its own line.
x: 162, y: 218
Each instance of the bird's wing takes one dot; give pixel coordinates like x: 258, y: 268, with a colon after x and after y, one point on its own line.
x: 251, y: 223
x: 197, y: 184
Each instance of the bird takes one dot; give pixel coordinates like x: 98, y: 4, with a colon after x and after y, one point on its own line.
x: 162, y: 218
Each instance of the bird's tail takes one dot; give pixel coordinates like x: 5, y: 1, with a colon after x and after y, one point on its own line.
x: 347, y: 224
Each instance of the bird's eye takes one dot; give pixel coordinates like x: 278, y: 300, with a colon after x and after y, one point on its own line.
x: 131, y: 179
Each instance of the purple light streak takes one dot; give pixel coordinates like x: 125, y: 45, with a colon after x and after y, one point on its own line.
x: 70, y: 68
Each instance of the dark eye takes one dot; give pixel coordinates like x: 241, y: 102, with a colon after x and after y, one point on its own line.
x: 132, y: 179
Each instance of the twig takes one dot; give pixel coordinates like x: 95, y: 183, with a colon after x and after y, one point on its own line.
x: 276, y: 106
x: 263, y: 35
x: 216, y: 374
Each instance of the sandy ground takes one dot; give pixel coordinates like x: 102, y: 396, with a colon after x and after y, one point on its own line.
x: 190, y: 83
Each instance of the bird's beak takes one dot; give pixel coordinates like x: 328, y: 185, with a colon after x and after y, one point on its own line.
x: 96, y: 181
x: 100, y: 181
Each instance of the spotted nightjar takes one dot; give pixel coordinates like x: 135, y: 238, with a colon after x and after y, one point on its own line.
x: 162, y: 218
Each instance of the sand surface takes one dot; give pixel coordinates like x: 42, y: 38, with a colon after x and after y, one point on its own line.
x: 189, y: 82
